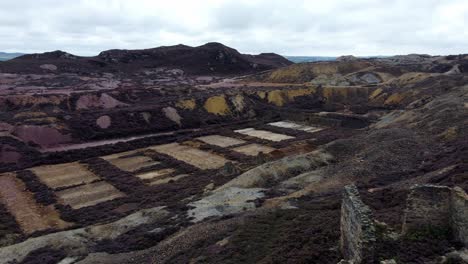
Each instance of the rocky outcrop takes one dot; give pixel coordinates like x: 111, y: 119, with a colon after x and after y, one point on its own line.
x: 357, y: 228
x: 77, y: 242
x: 225, y: 202
x: 279, y: 170
x: 437, y: 207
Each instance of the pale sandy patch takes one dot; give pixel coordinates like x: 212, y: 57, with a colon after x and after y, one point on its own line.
x: 88, y: 195
x: 155, y: 174
x: 253, y: 149
x: 64, y: 175
x: 195, y: 157
x: 30, y: 215
x: 134, y: 163
x: 221, y: 141
x: 296, y: 126
x: 263, y: 134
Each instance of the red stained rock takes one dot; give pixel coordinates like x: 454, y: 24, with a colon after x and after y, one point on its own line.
x: 5, y: 127
x: 8, y: 154
x: 93, y: 101
x: 42, y: 135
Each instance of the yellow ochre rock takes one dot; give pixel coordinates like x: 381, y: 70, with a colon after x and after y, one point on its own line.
x: 217, y: 105
x: 394, y: 99
x: 299, y: 92
x: 375, y: 93
x: 276, y: 97
x: 188, y: 104
x: 261, y: 94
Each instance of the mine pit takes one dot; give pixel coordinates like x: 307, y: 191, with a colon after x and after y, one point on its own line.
x: 132, y: 164
x: 263, y: 134
x: 221, y: 141
x: 158, y: 181
x: 155, y: 174
x: 195, y: 157
x: 88, y: 195
x: 247, y: 164
x: 254, y: 149
x: 64, y: 175
x: 296, y: 126
x: 30, y: 215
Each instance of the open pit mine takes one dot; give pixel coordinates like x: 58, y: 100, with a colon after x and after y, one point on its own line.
x: 205, y: 155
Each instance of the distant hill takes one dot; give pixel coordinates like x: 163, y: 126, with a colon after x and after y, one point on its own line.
x: 299, y: 59
x: 8, y: 56
x: 211, y: 58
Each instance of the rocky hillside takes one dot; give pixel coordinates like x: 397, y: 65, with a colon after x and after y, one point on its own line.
x: 349, y: 70
x: 351, y: 161
x: 208, y: 59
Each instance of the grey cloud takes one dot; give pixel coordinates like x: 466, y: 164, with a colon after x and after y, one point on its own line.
x: 293, y: 27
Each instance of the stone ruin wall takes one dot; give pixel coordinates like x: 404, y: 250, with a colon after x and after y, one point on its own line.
x: 357, y: 228
x: 440, y: 207
x: 459, y: 215
x: 427, y: 206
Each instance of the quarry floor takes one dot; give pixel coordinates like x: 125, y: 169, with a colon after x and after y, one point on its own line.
x: 52, y: 197
x: 107, y: 183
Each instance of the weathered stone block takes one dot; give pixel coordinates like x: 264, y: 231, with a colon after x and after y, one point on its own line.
x: 459, y: 215
x: 427, y: 206
x: 438, y: 207
x: 357, y: 228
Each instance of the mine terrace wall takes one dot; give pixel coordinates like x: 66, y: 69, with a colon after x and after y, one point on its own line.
x: 427, y: 206
x: 154, y: 113
x: 437, y: 207
x: 357, y: 228
x: 459, y: 215
x: 213, y: 108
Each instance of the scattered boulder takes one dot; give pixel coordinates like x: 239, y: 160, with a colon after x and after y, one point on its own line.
x: 49, y: 67
x: 171, y: 113
x: 146, y: 116
x: 347, y: 58
x: 104, y: 121
x: 227, y: 201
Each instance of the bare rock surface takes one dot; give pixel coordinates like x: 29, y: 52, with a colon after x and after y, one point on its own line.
x: 77, y: 241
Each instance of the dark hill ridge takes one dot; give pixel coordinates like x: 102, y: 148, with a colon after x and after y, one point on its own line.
x: 211, y: 58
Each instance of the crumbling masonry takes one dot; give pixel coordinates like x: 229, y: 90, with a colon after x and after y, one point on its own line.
x: 357, y: 228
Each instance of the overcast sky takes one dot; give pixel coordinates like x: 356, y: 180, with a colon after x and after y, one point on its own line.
x: 289, y: 27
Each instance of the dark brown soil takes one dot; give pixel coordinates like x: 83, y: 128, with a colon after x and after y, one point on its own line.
x: 304, y: 235
x: 44, y: 256
x: 387, y: 205
x: 418, y: 248
x: 8, y: 223
x: 140, y: 238
x: 42, y: 193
